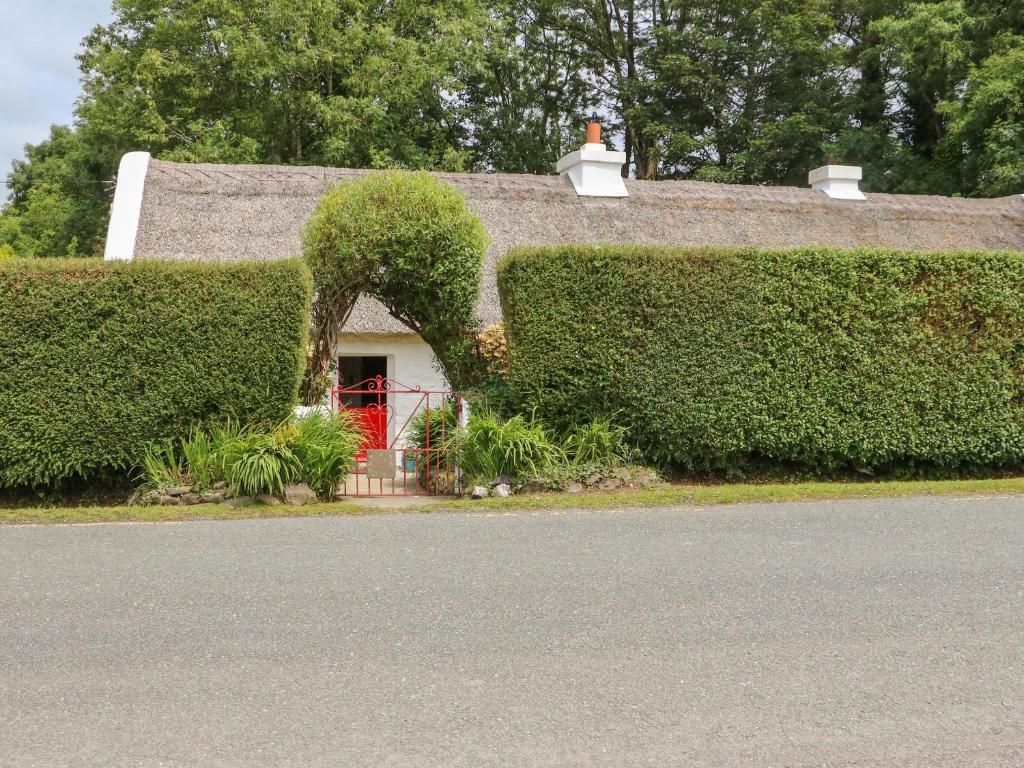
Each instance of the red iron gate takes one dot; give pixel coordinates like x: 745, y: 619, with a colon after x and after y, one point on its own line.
x: 388, y: 464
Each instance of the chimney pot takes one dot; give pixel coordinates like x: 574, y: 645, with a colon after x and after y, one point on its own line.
x: 592, y: 169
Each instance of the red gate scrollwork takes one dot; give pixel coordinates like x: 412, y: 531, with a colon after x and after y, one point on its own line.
x: 385, y: 410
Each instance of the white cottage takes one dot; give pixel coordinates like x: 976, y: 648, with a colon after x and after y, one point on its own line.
x: 165, y: 210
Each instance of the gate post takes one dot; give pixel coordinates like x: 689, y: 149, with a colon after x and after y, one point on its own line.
x: 463, y: 422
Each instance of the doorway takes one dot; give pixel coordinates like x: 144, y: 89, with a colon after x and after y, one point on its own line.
x: 362, y: 391
x: 358, y: 373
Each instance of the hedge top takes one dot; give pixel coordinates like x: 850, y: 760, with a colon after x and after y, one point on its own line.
x: 238, y: 212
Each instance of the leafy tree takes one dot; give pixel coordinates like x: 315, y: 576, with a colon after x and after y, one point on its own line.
x: 986, y: 130
x: 925, y: 49
x: 524, y: 105
x: 357, y: 83
x: 57, y: 202
x: 923, y: 93
x: 605, y: 42
x: 748, y: 91
x: 932, y: 105
x: 726, y: 90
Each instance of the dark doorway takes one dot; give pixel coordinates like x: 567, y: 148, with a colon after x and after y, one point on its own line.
x: 359, y: 373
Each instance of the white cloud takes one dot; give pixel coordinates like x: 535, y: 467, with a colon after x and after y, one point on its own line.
x: 38, y: 71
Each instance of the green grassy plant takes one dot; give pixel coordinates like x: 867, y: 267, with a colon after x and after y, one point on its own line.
x: 163, y: 466
x: 489, y: 447
x: 318, y: 450
x: 258, y: 463
x: 443, y: 422
x: 199, y: 454
x: 597, y: 442
x: 325, y: 446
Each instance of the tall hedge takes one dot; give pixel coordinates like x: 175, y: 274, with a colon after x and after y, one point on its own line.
x: 821, y: 359
x: 98, y: 358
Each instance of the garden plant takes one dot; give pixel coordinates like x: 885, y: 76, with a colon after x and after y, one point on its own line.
x: 524, y: 452
x: 318, y: 449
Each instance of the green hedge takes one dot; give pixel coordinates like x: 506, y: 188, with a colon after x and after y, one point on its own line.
x: 818, y: 359
x: 98, y: 358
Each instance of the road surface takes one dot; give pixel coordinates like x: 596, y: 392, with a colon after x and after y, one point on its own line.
x: 857, y: 633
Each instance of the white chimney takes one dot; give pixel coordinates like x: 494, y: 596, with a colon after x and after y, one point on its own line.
x: 592, y: 169
x: 837, y: 181
x: 123, y: 226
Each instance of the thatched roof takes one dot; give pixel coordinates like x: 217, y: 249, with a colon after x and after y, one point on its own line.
x: 240, y: 212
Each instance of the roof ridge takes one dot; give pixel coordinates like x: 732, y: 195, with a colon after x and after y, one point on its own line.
x: 520, y: 183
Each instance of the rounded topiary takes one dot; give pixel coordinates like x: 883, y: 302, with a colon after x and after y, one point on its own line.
x: 408, y: 240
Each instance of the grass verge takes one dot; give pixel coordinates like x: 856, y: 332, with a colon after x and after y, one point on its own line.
x: 676, y: 495
x: 157, y: 514
x: 738, y: 493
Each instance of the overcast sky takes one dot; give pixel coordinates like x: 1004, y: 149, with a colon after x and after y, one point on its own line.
x: 38, y: 71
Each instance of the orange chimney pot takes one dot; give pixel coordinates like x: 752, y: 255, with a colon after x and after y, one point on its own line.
x: 594, y: 133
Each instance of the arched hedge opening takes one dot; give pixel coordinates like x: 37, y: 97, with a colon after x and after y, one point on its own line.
x: 409, y: 241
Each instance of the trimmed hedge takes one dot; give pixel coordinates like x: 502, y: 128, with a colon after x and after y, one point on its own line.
x: 873, y: 360
x: 98, y: 358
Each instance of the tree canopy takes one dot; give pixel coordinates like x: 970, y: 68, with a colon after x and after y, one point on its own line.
x: 925, y: 95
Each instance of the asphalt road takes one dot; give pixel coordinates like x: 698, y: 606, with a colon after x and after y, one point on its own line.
x: 881, y: 633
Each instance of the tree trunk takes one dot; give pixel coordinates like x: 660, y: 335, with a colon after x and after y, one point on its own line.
x: 329, y: 315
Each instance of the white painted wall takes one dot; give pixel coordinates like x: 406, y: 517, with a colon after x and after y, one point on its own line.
x: 410, y: 363
x: 127, y: 205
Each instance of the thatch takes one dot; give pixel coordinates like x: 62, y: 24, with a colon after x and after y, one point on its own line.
x: 240, y: 212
